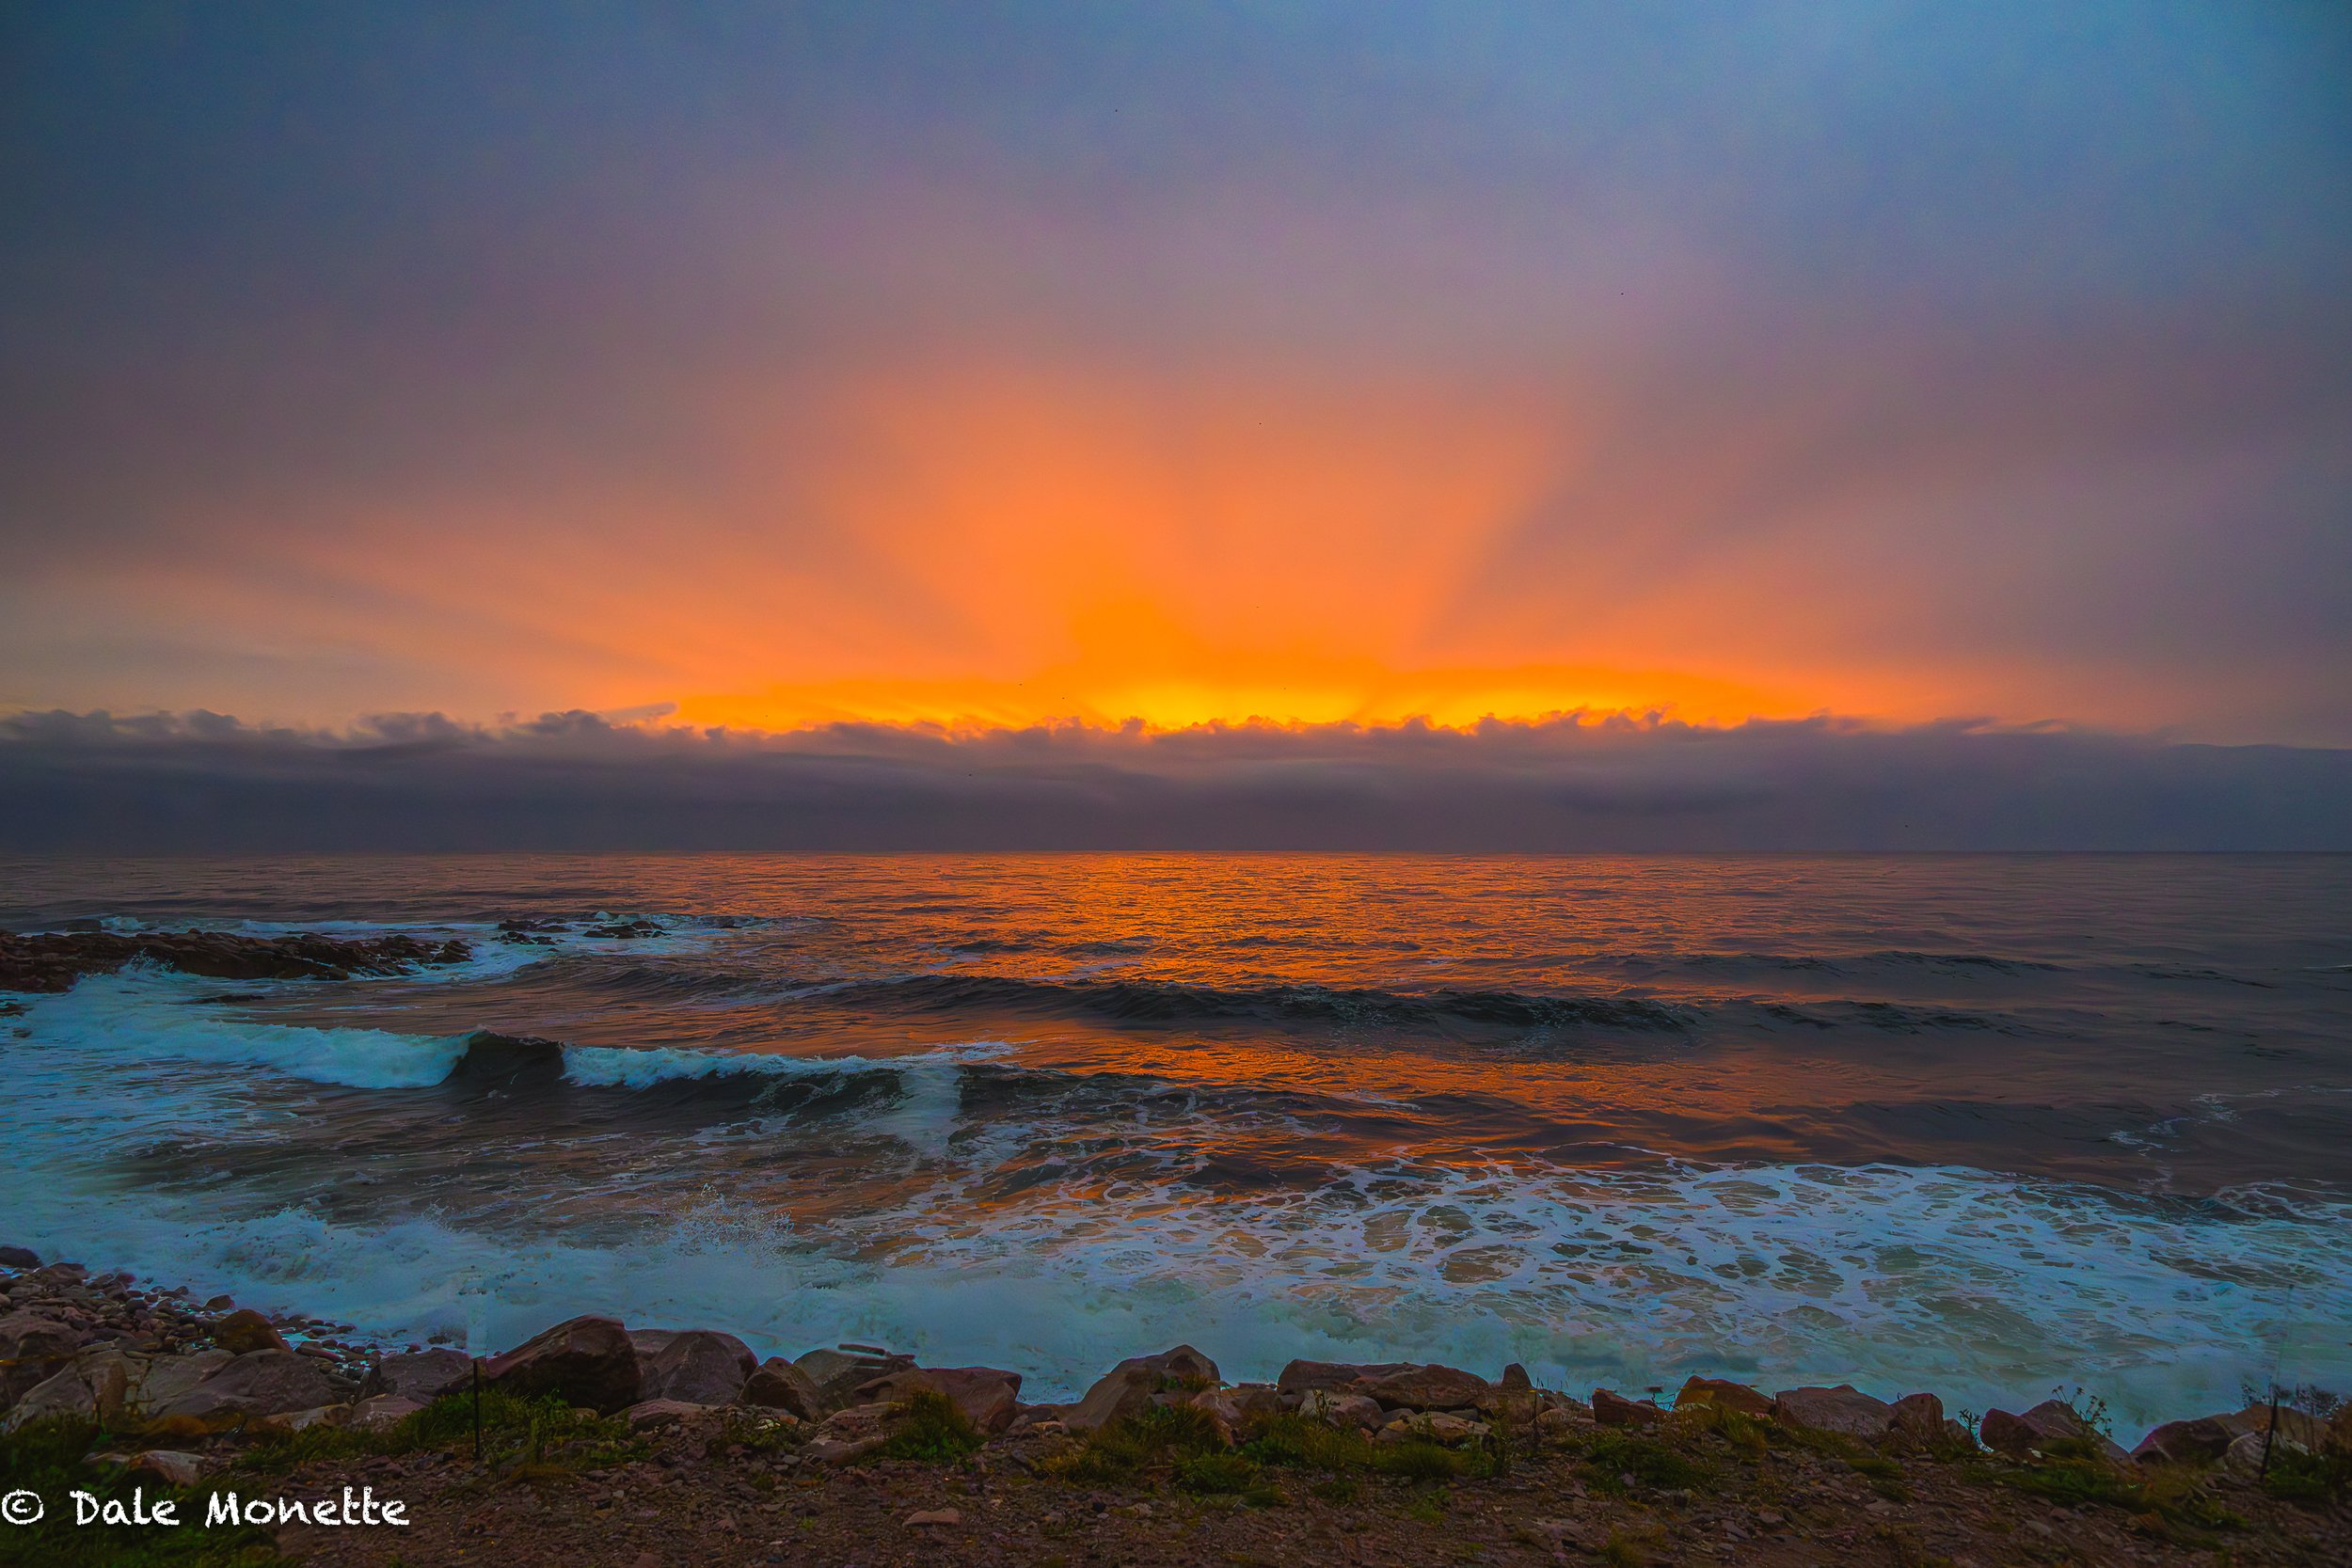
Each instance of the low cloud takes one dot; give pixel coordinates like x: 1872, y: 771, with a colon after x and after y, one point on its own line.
x: 203, y: 782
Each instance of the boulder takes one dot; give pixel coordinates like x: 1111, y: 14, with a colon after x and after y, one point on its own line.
x: 261, y: 1383
x: 1614, y: 1410
x: 585, y: 1360
x: 1341, y: 1410
x: 245, y: 1330
x: 778, y: 1385
x: 988, y: 1397
x: 1425, y: 1388
x: 1301, y: 1376
x: 2244, y: 1456
x: 166, y: 1467
x: 423, y: 1376
x: 649, y: 1414
x: 1918, y: 1421
x: 699, y: 1367
x: 33, y: 1350
x: 837, y: 1373
x: 850, y: 1433
x: 303, y: 1420
x: 1844, y: 1410
x: 164, y: 1378
x: 2047, y: 1424
x: 1715, y: 1391
x: 1516, y: 1381
x: 2201, y: 1440
x: 1129, y: 1388
x: 381, y: 1412
x: 19, y: 1258
x: 2304, y: 1429
x: 63, y: 1396
x: 507, y: 1064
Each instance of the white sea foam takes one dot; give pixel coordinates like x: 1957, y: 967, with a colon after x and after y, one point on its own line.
x: 1985, y: 1287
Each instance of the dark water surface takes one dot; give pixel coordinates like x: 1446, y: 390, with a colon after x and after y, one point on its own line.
x: 1977, y: 1123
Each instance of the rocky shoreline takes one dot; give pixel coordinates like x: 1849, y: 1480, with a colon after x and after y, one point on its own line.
x: 611, y: 1445
x: 52, y: 961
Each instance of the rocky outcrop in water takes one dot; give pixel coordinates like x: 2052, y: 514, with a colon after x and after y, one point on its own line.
x: 53, y: 961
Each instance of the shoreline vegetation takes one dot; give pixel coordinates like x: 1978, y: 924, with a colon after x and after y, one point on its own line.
x: 592, y: 1443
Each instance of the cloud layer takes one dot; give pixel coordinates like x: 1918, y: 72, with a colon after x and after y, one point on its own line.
x: 575, y: 781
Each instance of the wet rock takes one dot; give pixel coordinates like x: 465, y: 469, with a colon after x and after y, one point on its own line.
x: 586, y: 1360
x: 261, y: 1383
x: 67, y: 1395
x: 245, y: 1331
x: 1302, y: 1376
x: 423, y: 1376
x: 165, y: 1378
x: 1614, y: 1410
x: 34, y: 1348
x: 507, y: 1064
x: 2045, y: 1427
x: 1516, y: 1381
x: 2202, y: 1440
x: 1844, y: 1410
x: 53, y: 962
x: 778, y: 1385
x: 1722, y: 1395
x: 699, y: 1367
x: 19, y: 1258
x: 1129, y: 1388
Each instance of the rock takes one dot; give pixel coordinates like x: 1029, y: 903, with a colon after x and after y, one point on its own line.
x: 988, y: 1397
x: 303, y: 1420
x: 423, y: 1376
x: 699, y: 1367
x: 778, y: 1385
x: 33, y: 1350
x: 837, y: 1373
x: 19, y: 1258
x: 1427, y: 1387
x: 930, y: 1517
x: 167, y: 1466
x: 2047, y: 1424
x: 507, y: 1064
x: 2202, y: 1440
x: 245, y: 1330
x: 261, y: 1383
x: 52, y: 961
x: 1516, y: 1381
x: 165, y: 1378
x: 1301, y: 1376
x: 1722, y: 1395
x: 1614, y: 1410
x: 62, y: 1397
x: 2244, y: 1456
x: 1128, y: 1388
x: 586, y: 1360
x: 382, y: 1412
x: 1918, y: 1421
x: 2306, y: 1430
x: 851, y: 1433
x: 1844, y: 1410
x: 650, y: 1413
x: 1554, y: 1426
x: 1341, y: 1410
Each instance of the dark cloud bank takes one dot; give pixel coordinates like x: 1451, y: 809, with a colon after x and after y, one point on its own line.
x: 203, y: 782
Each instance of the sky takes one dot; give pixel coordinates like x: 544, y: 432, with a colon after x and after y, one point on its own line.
x: 950, y: 373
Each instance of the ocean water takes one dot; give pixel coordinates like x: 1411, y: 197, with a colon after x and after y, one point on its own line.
x: 1984, y: 1125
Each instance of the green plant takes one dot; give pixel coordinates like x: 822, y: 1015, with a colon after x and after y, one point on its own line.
x: 1616, y: 1455
x: 48, y: 1458
x: 930, y: 1427
x: 1216, y: 1473
x: 1123, y: 1449
x: 1428, y: 1505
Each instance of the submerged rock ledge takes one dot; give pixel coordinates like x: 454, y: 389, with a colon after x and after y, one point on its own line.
x: 53, y: 961
x: 644, y: 1446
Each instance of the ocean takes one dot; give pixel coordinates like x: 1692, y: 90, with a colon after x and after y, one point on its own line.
x: 1990, y: 1126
